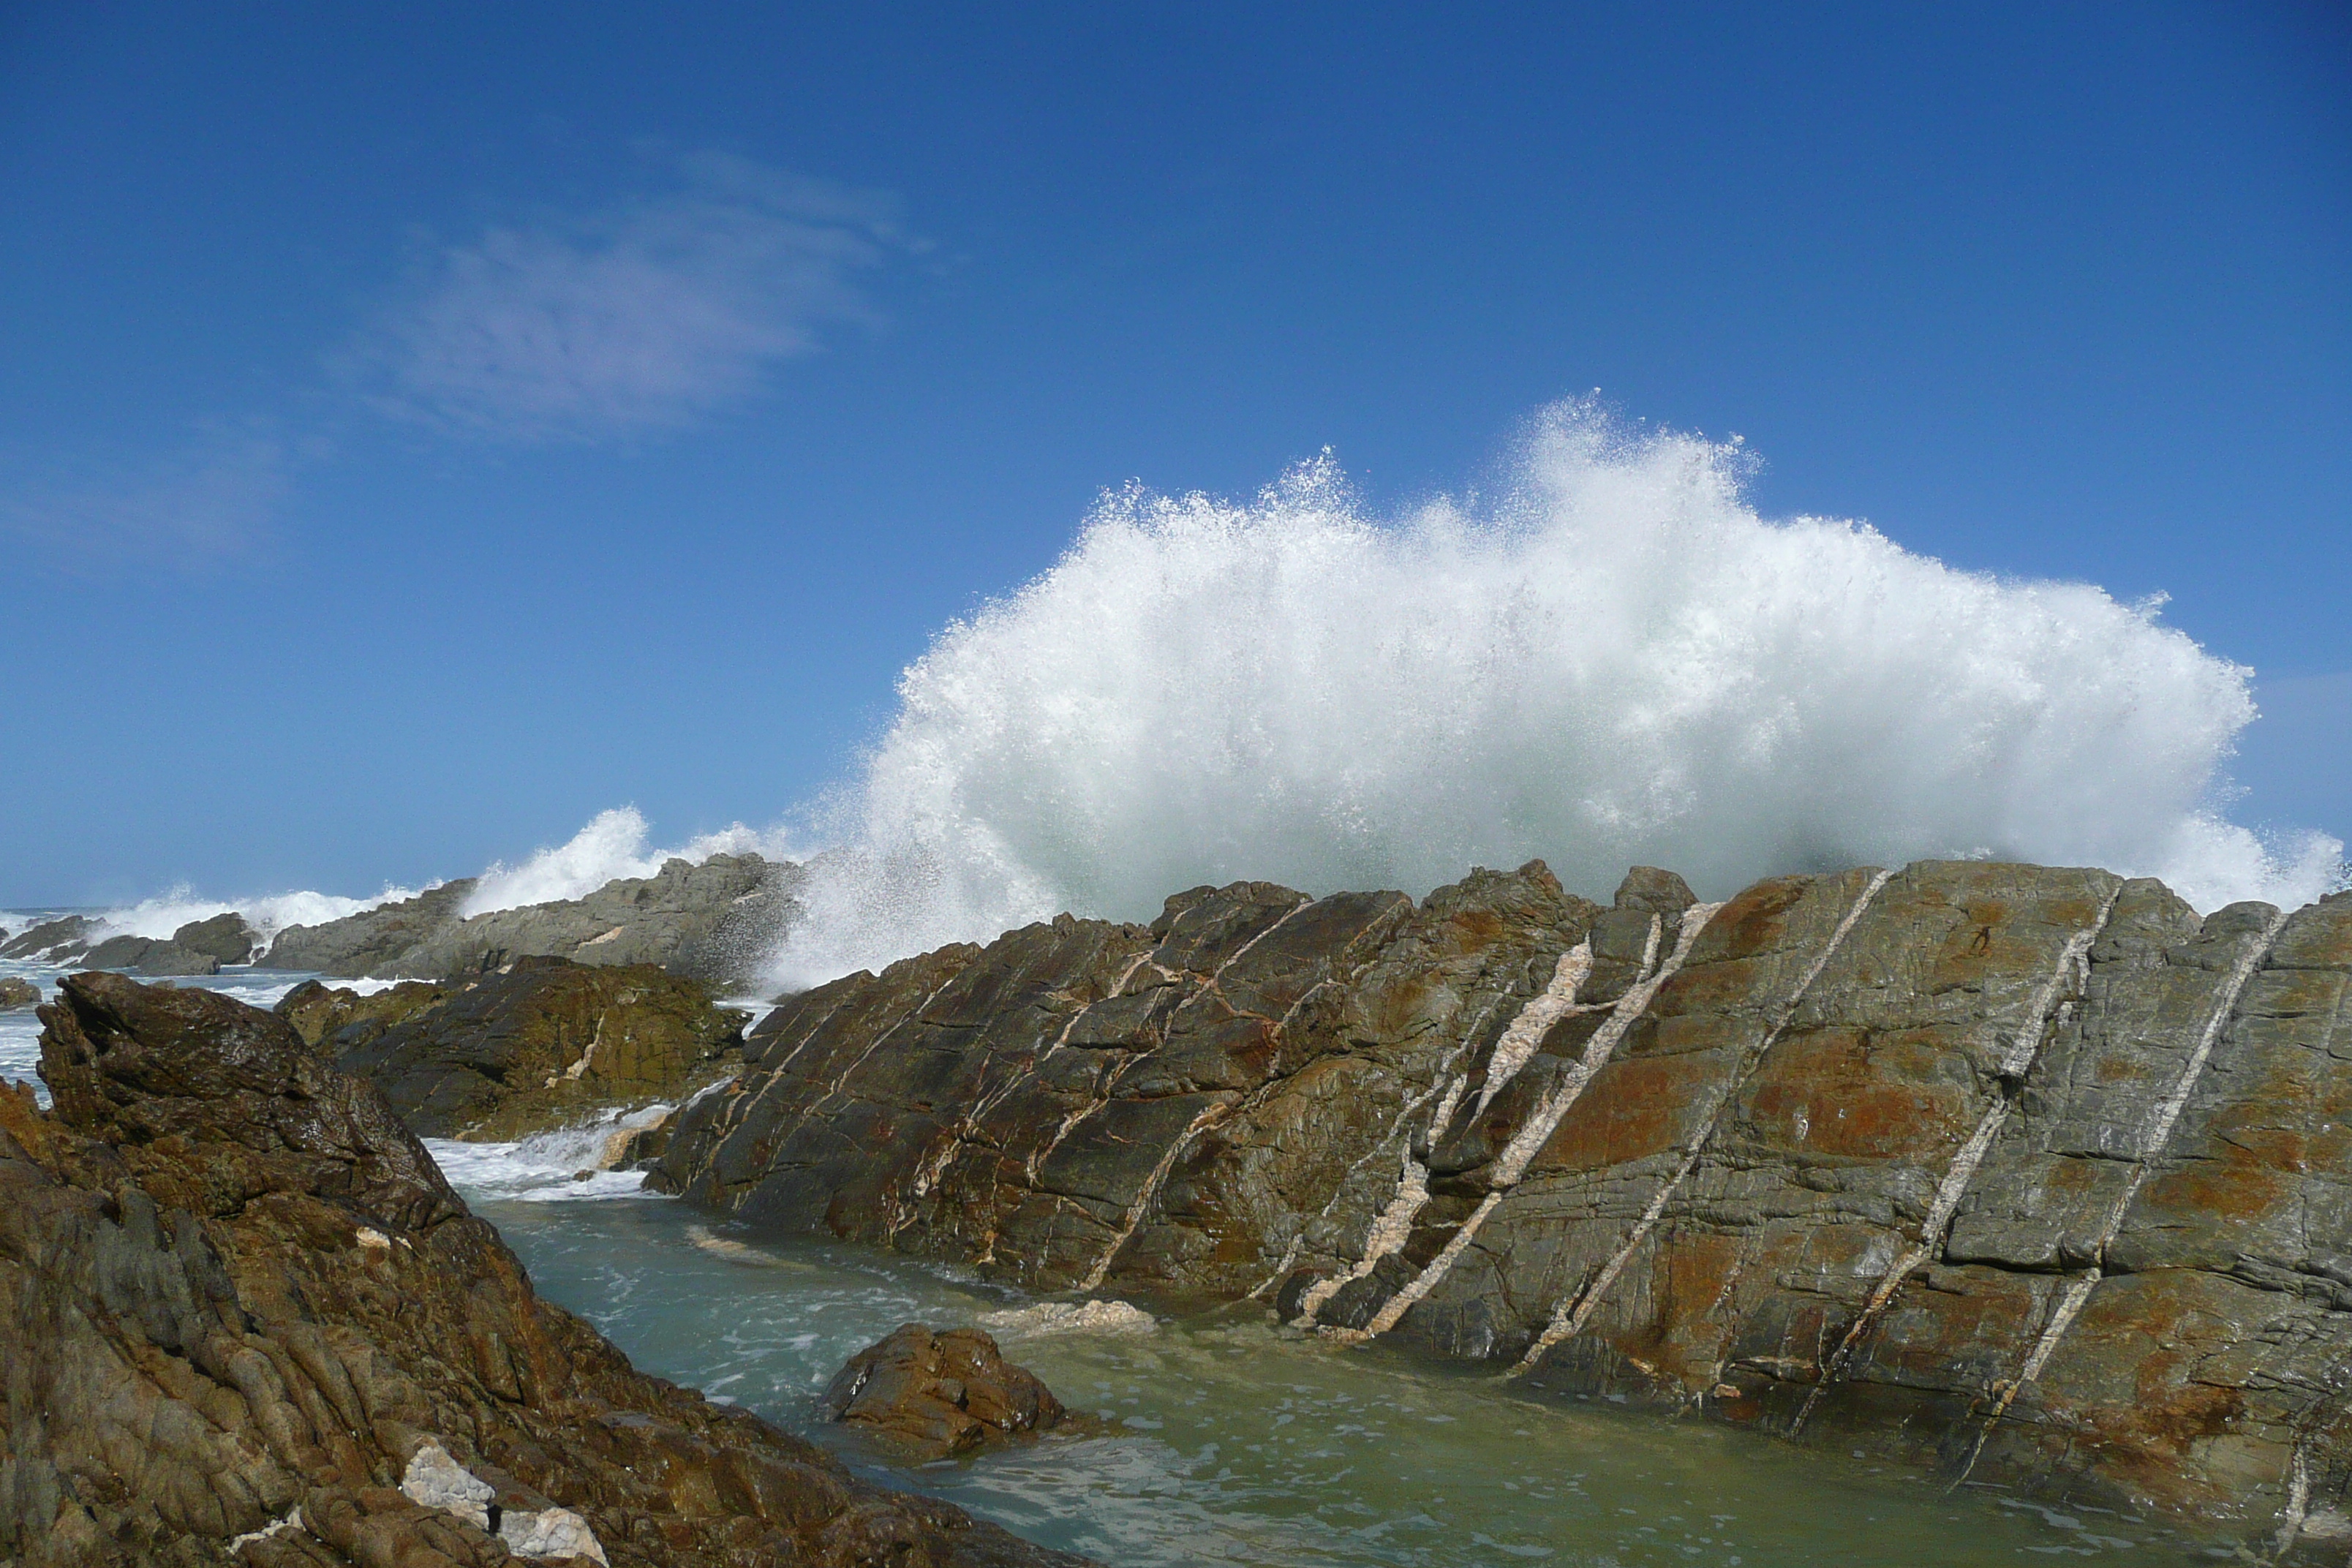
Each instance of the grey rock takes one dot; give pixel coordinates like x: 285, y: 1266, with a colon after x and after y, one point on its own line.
x: 372, y: 942
x: 149, y: 955
x: 226, y: 937
x: 59, y: 941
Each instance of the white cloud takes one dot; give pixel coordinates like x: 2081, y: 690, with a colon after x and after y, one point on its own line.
x: 216, y: 496
x: 640, y: 317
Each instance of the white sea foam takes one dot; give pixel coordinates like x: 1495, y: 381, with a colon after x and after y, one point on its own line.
x: 267, y: 915
x: 1093, y: 1317
x: 548, y: 1166
x: 1616, y: 661
x: 611, y: 846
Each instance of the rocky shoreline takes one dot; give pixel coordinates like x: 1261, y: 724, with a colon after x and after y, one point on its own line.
x: 2013, y: 1172
x: 713, y: 922
x: 250, y: 1321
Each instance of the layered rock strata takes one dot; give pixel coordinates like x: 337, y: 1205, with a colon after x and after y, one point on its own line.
x: 2028, y: 1174
x: 715, y: 921
x: 544, y: 1043
x: 246, y: 1320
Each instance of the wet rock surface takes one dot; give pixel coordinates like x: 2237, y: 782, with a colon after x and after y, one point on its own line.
x: 52, y: 941
x: 930, y: 1394
x: 546, y: 1043
x: 2024, y: 1173
x: 716, y: 922
x: 15, y: 994
x: 248, y: 1322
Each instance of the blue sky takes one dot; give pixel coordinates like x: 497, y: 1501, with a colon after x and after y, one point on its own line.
x: 420, y: 432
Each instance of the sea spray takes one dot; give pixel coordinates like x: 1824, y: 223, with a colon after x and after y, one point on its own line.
x: 1617, y: 661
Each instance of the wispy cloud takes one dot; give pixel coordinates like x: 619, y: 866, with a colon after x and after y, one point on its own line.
x: 217, y: 497
x: 640, y: 317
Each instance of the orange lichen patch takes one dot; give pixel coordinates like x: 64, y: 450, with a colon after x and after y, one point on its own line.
x: 1694, y: 1273
x: 1644, y: 1105
x: 1839, y: 1094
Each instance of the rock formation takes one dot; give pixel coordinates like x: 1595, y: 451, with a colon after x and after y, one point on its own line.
x: 148, y: 955
x: 226, y: 937
x: 715, y: 921
x: 545, y: 1043
x: 16, y: 993
x: 247, y: 1321
x: 929, y: 1395
x: 2025, y: 1174
x: 52, y: 941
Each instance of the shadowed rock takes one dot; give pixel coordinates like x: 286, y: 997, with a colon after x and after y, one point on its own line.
x: 149, y: 955
x: 545, y: 1043
x: 59, y: 941
x: 250, y: 1322
x: 931, y: 1395
x: 2023, y: 1173
x: 226, y: 937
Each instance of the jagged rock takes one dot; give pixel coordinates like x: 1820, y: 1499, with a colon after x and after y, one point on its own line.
x: 2026, y: 1173
x: 372, y: 942
x: 149, y: 955
x: 545, y: 1043
x: 715, y: 923
x: 247, y: 1321
x: 226, y: 937
x: 932, y: 1395
x: 59, y: 941
x: 15, y: 994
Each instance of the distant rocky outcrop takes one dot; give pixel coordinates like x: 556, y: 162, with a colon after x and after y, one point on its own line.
x: 544, y: 1043
x: 372, y: 942
x: 148, y: 955
x: 249, y: 1323
x: 715, y: 921
x: 2027, y: 1174
x: 929, y: 1395
x: 52, y: 941
x: 225, y: 937
x: 15, y: 993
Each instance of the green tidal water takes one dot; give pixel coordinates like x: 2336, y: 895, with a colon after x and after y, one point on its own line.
x: 1228, y: 1439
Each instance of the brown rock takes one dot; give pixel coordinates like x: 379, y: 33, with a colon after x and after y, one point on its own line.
x: 16, y: 993
x: 933, y: 1395
x: 243, y: 1307
x: 2026, y: 1173
x: 546, y: 1043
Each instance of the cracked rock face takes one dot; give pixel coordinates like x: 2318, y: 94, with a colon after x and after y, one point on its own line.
x: 2024, y: 1173
x: 246, y: 1320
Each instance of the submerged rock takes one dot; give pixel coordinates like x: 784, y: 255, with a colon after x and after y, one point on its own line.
x: 715, y: 923
x: 547, y: 1043
x: 149, y: 955
x: 935, y: 1394
x: 250, y: 1322
x: 2028, y: 1175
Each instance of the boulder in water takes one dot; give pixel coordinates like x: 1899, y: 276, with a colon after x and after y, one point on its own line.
x: 226, y: 937
x: 936, y: 1393
x: 250, y: 1322
x: 372, y: 942
x: 16, y: 993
